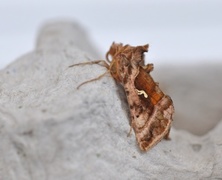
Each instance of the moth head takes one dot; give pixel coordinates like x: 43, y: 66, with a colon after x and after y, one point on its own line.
x: 134, y: 54
x: 115, y: 48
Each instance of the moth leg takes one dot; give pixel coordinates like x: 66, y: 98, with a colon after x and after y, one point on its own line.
x: 130, y: 131
x: 167, y: 136
x: 148, y: 68
x: 99, y: 62
x: 95, y: 79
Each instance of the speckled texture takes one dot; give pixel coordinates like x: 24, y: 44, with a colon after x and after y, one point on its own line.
x: 49, y: 130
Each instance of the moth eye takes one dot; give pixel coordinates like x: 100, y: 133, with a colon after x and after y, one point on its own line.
x: 113, y: 69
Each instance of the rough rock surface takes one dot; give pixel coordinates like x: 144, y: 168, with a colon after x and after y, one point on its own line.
x: 49, y: 130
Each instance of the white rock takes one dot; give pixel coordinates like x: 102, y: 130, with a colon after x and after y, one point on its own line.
x: 49, y: 130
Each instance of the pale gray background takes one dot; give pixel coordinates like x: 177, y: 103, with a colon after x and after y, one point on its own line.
x: 186, y: 31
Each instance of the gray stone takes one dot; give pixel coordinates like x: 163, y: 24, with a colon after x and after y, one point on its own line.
x: 49, y: 130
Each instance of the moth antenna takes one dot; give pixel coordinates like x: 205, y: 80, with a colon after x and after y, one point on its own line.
x: 104, y: 63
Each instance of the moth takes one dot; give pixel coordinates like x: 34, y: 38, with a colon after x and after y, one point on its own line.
x: 151, y: 110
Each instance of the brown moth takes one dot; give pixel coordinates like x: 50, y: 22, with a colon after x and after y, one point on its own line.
x: 150, y: 109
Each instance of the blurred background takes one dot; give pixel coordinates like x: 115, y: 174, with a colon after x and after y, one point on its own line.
x: 181, y: 32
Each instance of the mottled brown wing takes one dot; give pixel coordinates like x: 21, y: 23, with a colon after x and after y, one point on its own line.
x: 158, y: 124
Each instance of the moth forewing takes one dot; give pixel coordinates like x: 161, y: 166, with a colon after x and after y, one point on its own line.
x: 150, y: 109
